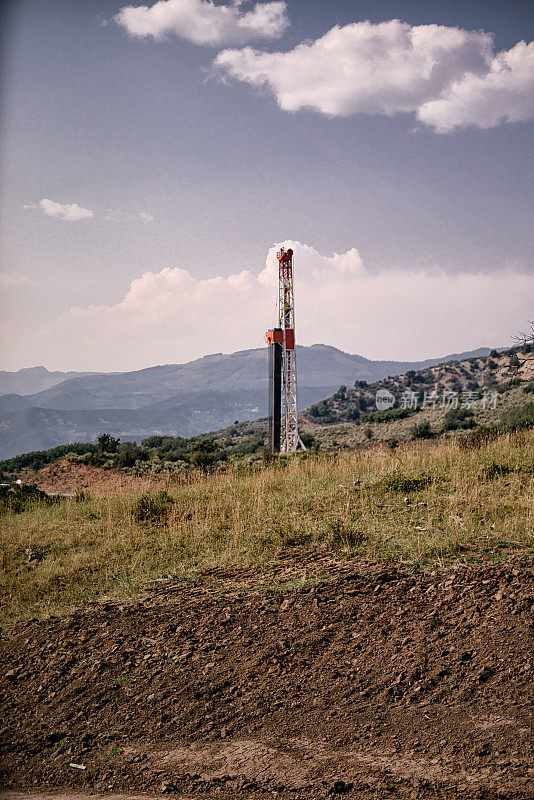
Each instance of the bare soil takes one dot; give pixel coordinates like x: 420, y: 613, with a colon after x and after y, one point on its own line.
x: 373, y: 683
x: 67, y: 477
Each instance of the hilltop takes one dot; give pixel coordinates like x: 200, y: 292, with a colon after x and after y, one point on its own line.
x: 174, y: 399
x: 450, y: 397
x: 34, y: 379
x: 320, y: 365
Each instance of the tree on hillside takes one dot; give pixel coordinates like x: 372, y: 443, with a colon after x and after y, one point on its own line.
x: 205, y: 452
x: 525, y: 340
x: 107, y: 443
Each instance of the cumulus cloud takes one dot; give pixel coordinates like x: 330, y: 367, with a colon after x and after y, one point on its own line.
x: 504, y: 94
x: 171, y: 316
x: 203, y: 22
x: 70, y: 212
x: 448, y: 77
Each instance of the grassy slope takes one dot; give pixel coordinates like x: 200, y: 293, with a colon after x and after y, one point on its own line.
x: 358, y: 503
x: 334, y: 427
x: 349, y: 434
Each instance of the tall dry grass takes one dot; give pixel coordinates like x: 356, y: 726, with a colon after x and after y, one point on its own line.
x: 425, y: 504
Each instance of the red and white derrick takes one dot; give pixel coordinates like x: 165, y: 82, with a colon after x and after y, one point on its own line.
x: 282, y: 341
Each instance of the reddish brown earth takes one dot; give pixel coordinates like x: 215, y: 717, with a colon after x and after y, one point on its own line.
x: 67, y: 477
x: 375, y: 683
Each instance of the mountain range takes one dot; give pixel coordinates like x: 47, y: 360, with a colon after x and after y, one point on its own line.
x: 175, y: 399
x: 33, y: 379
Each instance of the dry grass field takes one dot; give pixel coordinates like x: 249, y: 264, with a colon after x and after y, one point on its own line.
x: 425, y: 504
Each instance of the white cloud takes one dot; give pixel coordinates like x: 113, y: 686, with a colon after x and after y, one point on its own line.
x: 171, y: 316
x: 70, y: 212
x: 203, y: 22
x: 448, y: 76
x: 146, y: 217
x: 504, y: 94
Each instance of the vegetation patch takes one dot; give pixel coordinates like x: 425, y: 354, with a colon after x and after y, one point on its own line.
x: 342, y: 535
x: 496, y: 470
x: 387, y: 416
x: 422, y: 430
x: 397, y: 482
x: 23, y: 498
x: 153, y: 507
x: 61, y: 554
x: 459, y: 419
x: 40, y: 458
x: 518, y: 418
x: 478, y: 438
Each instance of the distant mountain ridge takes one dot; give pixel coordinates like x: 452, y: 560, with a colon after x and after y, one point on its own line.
x: 177, y: 399
x: 318, y: 365
x: 33, y: 379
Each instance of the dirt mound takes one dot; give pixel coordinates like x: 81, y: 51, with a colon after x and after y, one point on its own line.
x: 67, y: 477
x: 375, y: 683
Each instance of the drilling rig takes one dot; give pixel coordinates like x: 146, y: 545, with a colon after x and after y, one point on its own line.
x: 283, y: 423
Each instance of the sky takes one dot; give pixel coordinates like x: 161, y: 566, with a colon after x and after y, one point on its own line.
x: 154, y: 157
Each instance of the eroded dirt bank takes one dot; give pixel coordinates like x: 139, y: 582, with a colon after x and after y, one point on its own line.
x: 372, y: 684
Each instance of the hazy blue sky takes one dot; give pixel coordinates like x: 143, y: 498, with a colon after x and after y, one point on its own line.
x: 150, y: 156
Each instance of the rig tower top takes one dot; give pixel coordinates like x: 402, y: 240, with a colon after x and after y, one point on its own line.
x: 283, y: 427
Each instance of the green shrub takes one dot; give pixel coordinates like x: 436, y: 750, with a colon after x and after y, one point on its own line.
x: 518, y: 418
x: 308, y: 439
x: 321, y: 410
x: 397, y: 482
x: 459, y: 419
x: 205, y: 452
x: 501, y: 388
x: 128, y: 454
x: 107, y: 444
x: 153, y: 507
x: 340, y: 535
x: 165, y: 443
x: 495, y: 470
x: 387, y: 416
x: 477, y: 438
x: 251, y: 444
x: 422, y: 430
x: 23, y: 498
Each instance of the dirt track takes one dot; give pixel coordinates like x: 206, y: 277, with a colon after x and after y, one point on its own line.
x: 373, y: 684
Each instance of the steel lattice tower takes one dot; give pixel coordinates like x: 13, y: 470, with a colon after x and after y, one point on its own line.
x: 283, y: 429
